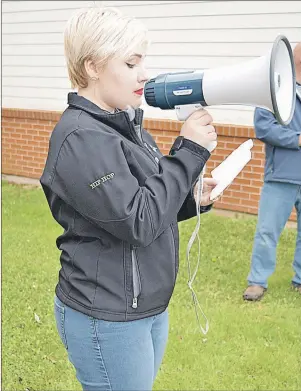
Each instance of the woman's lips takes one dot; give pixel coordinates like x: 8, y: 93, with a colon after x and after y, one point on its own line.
x: 139, y: 92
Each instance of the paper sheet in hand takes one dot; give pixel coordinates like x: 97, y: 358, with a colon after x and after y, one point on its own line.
x: 228, y: 170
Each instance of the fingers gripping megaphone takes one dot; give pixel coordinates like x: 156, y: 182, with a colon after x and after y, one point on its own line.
x: 268, y: 81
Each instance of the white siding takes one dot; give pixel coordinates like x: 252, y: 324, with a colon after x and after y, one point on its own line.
x: 185, y: 35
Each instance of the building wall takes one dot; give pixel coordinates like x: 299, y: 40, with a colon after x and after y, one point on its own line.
x: 186, y: 35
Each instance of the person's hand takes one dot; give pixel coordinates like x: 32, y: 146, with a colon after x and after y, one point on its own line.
x: 208, y: 185
x: 300, y: 140
x: 198, y: 128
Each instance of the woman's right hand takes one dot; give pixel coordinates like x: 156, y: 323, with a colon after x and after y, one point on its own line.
x: 198, y: 128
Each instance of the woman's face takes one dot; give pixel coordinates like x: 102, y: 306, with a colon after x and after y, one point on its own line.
x: 121, y: 82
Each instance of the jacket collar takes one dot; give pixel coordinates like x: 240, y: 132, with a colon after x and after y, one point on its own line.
x: 120, y: 120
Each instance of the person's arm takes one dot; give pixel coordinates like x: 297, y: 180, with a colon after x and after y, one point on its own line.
x: 188, y: 209
x: 269, y: 131
x: 94, y: 176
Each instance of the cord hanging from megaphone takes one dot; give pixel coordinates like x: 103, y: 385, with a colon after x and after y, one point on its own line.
x: 195, y: 234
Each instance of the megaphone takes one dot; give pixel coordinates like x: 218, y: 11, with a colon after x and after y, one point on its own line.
x: 268, y: 82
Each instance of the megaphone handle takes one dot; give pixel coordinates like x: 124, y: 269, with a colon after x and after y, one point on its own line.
x: 183, y: 112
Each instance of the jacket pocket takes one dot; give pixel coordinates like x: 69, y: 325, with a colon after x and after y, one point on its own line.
x: 59, y: 311
x: 136, y: 280
x: 287, y: 165
x: 156, y: 266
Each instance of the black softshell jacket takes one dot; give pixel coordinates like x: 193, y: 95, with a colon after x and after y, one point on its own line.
x: 118, y: 200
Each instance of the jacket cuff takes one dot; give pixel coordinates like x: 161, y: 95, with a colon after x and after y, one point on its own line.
x: 182, y: 142
x: 204, y: 209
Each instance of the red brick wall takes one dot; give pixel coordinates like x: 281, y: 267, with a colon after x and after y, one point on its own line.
x: 25, y: 135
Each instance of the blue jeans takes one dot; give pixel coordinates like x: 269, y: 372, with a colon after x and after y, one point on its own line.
x: 112, y: 356
x: 276, y: 203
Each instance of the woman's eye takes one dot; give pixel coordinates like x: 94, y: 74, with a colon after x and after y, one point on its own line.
x: 130, y: 65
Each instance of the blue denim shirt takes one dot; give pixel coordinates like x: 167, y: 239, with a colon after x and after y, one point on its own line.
x: 283, y: 154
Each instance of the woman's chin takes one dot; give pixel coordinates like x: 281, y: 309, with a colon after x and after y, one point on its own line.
x: 136, y: 106
x: 138, y: 102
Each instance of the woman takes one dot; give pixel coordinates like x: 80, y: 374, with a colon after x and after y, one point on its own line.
x: 119, y: 200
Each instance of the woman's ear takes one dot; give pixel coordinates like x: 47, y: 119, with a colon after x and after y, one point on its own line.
x: 91, y: 70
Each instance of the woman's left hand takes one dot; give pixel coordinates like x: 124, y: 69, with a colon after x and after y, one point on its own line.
x: 208, y: 185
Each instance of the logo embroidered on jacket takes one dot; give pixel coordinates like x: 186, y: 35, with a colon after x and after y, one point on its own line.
x: 102, y: 180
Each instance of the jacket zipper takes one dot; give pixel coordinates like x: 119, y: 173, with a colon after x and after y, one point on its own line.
x: 135, y: 277
x: 174, y: 246
x: 141, y: 142
x: 149, y: 150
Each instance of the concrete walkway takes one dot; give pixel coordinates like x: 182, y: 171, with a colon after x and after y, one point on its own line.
x: 20, y: 180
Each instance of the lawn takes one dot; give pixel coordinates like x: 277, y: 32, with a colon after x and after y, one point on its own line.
x: 250, y: 346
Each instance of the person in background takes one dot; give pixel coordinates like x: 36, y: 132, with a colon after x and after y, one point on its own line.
x: 118, y: 200
x: 280, y: 193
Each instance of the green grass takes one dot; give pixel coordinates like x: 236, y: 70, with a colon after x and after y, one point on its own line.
x: 250, y: 346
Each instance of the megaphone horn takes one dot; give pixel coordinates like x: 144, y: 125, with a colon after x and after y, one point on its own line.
x: 268, y: 81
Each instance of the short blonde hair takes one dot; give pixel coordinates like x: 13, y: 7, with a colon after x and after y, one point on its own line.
x: 99, y: 34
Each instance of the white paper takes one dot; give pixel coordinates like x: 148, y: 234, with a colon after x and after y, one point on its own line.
x: 228, y: 170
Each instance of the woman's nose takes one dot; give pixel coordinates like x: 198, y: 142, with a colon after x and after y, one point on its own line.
x: 143, y: 76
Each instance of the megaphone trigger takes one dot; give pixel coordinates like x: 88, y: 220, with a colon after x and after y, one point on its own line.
x: 185, y: 111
